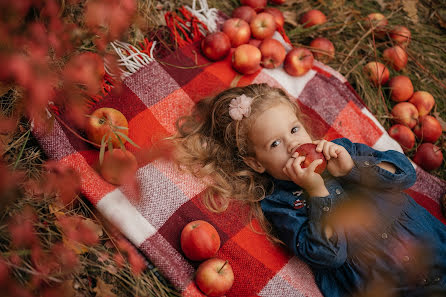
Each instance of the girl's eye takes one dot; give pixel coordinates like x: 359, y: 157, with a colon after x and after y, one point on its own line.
x: 294, y: 130
x: 275, y: 143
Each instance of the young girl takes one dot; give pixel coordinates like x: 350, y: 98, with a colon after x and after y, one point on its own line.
x: 360, y: 234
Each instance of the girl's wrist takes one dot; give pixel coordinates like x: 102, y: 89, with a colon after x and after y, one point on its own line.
x: 318, y: 192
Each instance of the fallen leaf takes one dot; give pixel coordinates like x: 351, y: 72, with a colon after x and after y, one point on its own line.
x: 442, y: 122
x: 381, y: 4
x: 410, y: 7
x: 290, y: 18
x: 103, y: 290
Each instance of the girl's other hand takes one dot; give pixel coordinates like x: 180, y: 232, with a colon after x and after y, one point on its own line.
x: 309, y: 180
x: 339, y: 161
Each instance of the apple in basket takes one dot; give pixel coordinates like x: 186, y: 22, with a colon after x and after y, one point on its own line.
x: 246, y: 59
x: 324, y: 49
x: 216, y: 46
x: 428, y: 129
x: 313, y: 17
x: 377, y: 73
x: 246, y: 13
x: 214, y: 277
x: 238, y: 31
x: 263, y: 26
x: 423, y: 101
x: 298, y: 61
x: 256, y: 4
x: 403, y: 135
x: 401, y: 88
x: 428, y: 156
x: 273, y: 53
x: 199, y: 240
x: 308, y: 150
x: 107, y: 125
x: 396, y: 56
x: 405, y: 113
x: 118, y: 166
x: 278, y: 16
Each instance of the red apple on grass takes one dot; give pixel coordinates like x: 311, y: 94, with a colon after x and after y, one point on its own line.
x: 119, y: 166
x: 256, y: 4
x: 108, y: 122
x: 298, y: 61
x: 199, y: 240
x: 396, y: 56
x: 377, y: 73
x: 216, y: 46
x: 246, y: 59
x: 246, y: 13
x: 424, y: 102
x: 263, y: 26
x: 278, y: 16
x: 273, y: 53
x: 405, y: 113
x: 323, y: 49
x: 428, y: 156
x: 378, y: 22
x: 238, y: 31
x: 400, y: 35
x: 401, y: 88
x: 428, y: 129
x: 403, y: 135
x: 312, y: 18
x: 214, y: 277
x: 309, y: 151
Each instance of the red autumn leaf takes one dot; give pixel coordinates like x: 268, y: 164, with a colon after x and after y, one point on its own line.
x: 86, y: 69
x: 76, y: 228
x: 65, y: 257
x: 63, y: 180
x: 21, y: 229
x: 4, y: 273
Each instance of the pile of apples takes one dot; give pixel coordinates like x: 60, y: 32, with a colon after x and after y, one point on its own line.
x: 413, y: 123
x: 200, y: 242
x: 247, y: 36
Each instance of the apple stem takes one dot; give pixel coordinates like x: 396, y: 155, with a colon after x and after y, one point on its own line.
x: 226, y: 262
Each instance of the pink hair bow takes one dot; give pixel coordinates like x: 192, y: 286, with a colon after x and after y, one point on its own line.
x: 239, y: 107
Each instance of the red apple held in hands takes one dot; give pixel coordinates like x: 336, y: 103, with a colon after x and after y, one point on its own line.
x: 263, y: 26
x: 312, y: 18
x: 405, y: 113
x: 323, y: 49
x: 424, y: 102
x: 428, y: 156
x: 428, y: 129
x: 214, y: 277
x: 396, y: 56
x: 246, y: 13
x: 278, y: 16
x: 401, y: 88
x: 378, y: 22
x: 199, y: 240
x: 273, y: 53
x: 298, y: 61
x: 309, y: 151
x: 377, y: 73
x: 246, y: 59
x: 400, y: 35
x: 118, y: 166
x: 256, y: 4
x: 238, y: 31
x: 216, y: 46
x: 403, y: 135
x: 109, y: 122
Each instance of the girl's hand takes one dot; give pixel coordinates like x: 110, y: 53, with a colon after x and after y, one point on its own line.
x: 339, y: 161
x: 309, y: 180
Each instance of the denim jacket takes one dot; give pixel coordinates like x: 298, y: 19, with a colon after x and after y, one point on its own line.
x: 380, y: 248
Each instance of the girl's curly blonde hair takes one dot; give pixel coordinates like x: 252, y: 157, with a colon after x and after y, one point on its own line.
x: 211, y: 145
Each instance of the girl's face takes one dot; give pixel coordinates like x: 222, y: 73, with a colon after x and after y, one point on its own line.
x: 275, y: 135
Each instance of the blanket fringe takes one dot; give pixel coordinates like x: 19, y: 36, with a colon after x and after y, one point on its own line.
x: 206, y: 15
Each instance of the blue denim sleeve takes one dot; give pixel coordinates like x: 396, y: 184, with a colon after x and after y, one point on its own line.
x: 303, y: 231
x: 367, y: 173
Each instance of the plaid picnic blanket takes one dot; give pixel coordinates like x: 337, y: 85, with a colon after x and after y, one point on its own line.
x: 152, y: 99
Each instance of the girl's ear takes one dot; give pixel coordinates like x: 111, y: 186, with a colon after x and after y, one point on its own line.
x: 254, y: 164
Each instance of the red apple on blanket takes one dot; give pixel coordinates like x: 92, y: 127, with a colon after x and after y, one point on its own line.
x: 424, y: 102
x: 378, y: 22
x: 403, y: 135
x: 405, y: 113
x: 246, y: 59
x: 401, y: 88
x: 323, y: 49
x: 238, y: 31
x: 308, y: 150
x: 396, y: 56
x: 298, y: 61
x: 119, y: 166
x: 246, y: 13
x: 109, y: 122
x: 312, y: 18
x: 263, y: 26
x: 377, y: 73
x: 428, y: 156
x: 273, y: 53
x: 216, y: 46
x: 278, y: 16
x: 400, y: 35
x: 428, y: 129
x: 214, y: 277
x: 199, y: 240
x: 256, y: 4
